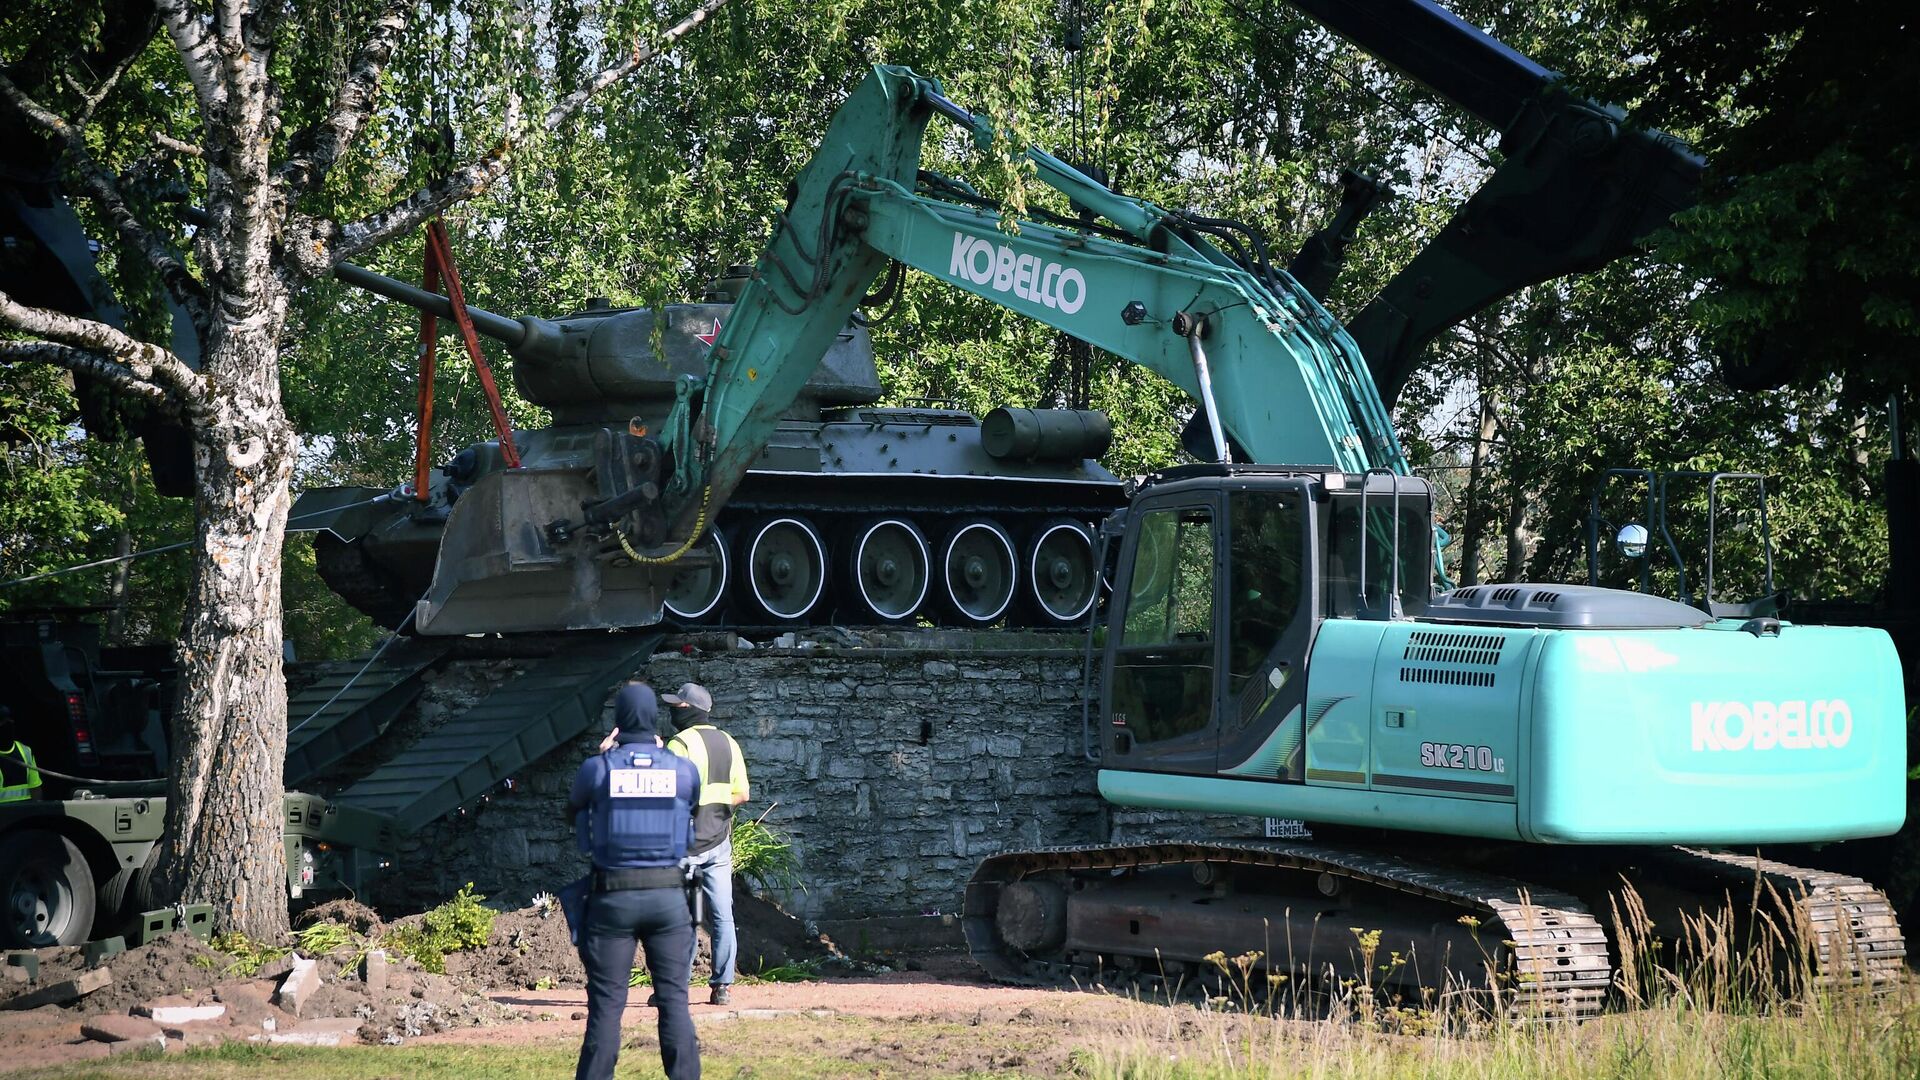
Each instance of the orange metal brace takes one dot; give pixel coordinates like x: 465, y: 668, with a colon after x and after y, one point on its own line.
x: 439, y: 266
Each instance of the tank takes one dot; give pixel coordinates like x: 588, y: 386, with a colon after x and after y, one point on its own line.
x: 855, y: 514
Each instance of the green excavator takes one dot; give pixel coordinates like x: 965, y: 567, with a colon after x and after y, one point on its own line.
x: 1482, y: 765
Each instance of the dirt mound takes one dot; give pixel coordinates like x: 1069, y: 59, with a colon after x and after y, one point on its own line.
x: 173, y: 964
x: 351, y: 914
x: 529, y: 948
x: 769, y: 937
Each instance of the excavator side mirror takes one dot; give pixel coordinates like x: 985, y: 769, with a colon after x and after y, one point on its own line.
x: 1631, y: 540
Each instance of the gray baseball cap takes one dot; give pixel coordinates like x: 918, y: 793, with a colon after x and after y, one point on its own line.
x: 690, y: 694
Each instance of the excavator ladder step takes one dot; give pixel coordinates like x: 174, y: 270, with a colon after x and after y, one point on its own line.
x: 549, y: 704
x: 351, y: 704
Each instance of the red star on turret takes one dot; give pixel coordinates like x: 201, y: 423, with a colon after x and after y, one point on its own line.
x: 707, y: 338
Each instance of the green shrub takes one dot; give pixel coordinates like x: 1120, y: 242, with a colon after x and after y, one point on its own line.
x: 460, y: 923
x: 248, y: 955
x: 764, y: 857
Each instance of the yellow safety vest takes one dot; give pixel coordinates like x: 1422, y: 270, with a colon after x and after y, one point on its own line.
x: 19, y: 754
x: 723, y: 769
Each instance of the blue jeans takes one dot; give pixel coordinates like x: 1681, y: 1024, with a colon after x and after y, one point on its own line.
x: 659, y: 921
x: 716, y: 886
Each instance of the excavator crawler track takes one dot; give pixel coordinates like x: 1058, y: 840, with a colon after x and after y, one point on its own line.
x: 1849, y: 928
x: 1545, y: 954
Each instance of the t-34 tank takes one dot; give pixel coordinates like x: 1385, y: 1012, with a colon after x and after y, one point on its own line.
x: 855, y: 514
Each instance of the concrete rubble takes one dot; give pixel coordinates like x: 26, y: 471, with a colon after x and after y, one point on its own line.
x: 351, y: 995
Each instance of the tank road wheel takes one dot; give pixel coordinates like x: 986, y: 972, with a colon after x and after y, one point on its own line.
x: 888, y: 570
x: 785, y: 568
x: 693, y: 594
x: 978, y: 571
x: 1061, y: 578
x: 48, y: 890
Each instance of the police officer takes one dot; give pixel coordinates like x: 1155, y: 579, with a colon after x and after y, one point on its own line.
x: 19, y: 775
x: 634, y: 802
x: 723, y: 786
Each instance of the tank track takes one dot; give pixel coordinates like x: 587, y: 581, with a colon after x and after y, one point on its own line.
x: 1856, y: 937
x: 1555, y: 962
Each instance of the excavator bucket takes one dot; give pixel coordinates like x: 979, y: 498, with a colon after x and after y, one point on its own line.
x: 498, y: 572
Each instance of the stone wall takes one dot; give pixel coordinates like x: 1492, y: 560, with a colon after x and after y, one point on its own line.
x: 894, y: 763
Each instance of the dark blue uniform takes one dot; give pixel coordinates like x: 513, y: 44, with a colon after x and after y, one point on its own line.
x: 634, y: 807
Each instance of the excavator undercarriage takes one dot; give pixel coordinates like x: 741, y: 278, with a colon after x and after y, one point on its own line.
x: 1282, y: 921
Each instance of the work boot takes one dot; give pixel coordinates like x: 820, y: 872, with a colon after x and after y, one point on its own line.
x: 719, y: 996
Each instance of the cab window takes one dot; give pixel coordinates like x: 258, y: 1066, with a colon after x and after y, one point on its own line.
x: 1163, y: 666
x: 1266, y: 553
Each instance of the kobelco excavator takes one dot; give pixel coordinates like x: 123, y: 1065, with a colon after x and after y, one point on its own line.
x: 1274, y: 645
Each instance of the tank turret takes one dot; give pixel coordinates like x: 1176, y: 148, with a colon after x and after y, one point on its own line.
x: 855, y: 513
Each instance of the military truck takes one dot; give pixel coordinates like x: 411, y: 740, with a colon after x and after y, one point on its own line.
x: 74, y: 861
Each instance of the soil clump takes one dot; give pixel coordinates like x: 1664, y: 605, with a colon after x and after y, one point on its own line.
x: 530, y: 948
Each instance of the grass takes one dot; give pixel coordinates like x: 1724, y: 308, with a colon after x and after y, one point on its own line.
x: 1733, y: 996
x: 1672, y: 1041
x: 1735, y: 993
x: 1101, y: 1038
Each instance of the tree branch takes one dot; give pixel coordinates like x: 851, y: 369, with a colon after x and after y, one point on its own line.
x: 105, y: 191
x: 572, y: 103
x: 91, y: 100
x: 197, y: 51
x: 315, y: 149
x: 325, y: 243
x: 141, y: 360
x: 81, y: 362
x: 167, y: 142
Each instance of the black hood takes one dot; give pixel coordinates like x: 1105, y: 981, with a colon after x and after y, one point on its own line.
x: 636, y: 713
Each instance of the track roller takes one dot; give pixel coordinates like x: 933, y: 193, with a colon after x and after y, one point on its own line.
x: 784, y: 568
x: 979, y: 571
x: 1062, y: 581
x: 695, y: 593
x: 888, y: 570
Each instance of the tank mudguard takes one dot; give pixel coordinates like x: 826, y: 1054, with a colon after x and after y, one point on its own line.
x: 1715, y: 736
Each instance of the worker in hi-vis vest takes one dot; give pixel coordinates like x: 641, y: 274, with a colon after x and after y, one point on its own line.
x: 723, y: 786
x: 19, y: 774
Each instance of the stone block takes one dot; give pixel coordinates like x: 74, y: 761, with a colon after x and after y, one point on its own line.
x: 373, y: 971
x: 191, y: 1037
x: 1004, y: 746
x: 179, y: 1010
x: 114, y: 1027
x: 62, y: 992
x: 323, y: 1031
x: 299, y: 985
x: 156, y: 1041
x: 507, y: 848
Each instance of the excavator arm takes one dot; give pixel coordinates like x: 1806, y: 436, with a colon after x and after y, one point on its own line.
x: 1576, y: 187
x: 1273, y: 372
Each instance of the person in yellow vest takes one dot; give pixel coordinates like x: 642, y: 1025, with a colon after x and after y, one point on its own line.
x: 723, y: 786
x: 19, y: 775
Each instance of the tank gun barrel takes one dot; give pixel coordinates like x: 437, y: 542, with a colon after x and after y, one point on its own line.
x: 514, y: 332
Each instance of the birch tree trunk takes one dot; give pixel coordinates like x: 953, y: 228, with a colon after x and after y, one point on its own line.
x: 224, y: 814
x: 1476, y: 526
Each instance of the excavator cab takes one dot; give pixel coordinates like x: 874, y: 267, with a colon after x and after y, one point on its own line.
x: 1226, y: 574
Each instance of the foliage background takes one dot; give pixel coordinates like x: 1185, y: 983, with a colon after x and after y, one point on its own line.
x: 1803, y: 248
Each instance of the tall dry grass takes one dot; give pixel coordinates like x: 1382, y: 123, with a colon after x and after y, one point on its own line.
x: 1737, y: 993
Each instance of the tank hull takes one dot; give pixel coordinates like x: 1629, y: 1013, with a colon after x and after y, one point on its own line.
x: 478, y: 565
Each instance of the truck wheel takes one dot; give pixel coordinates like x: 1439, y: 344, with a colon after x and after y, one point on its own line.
x: 48, y: 891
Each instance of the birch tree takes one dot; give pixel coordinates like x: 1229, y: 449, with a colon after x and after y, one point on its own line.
x: 284, y: 121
